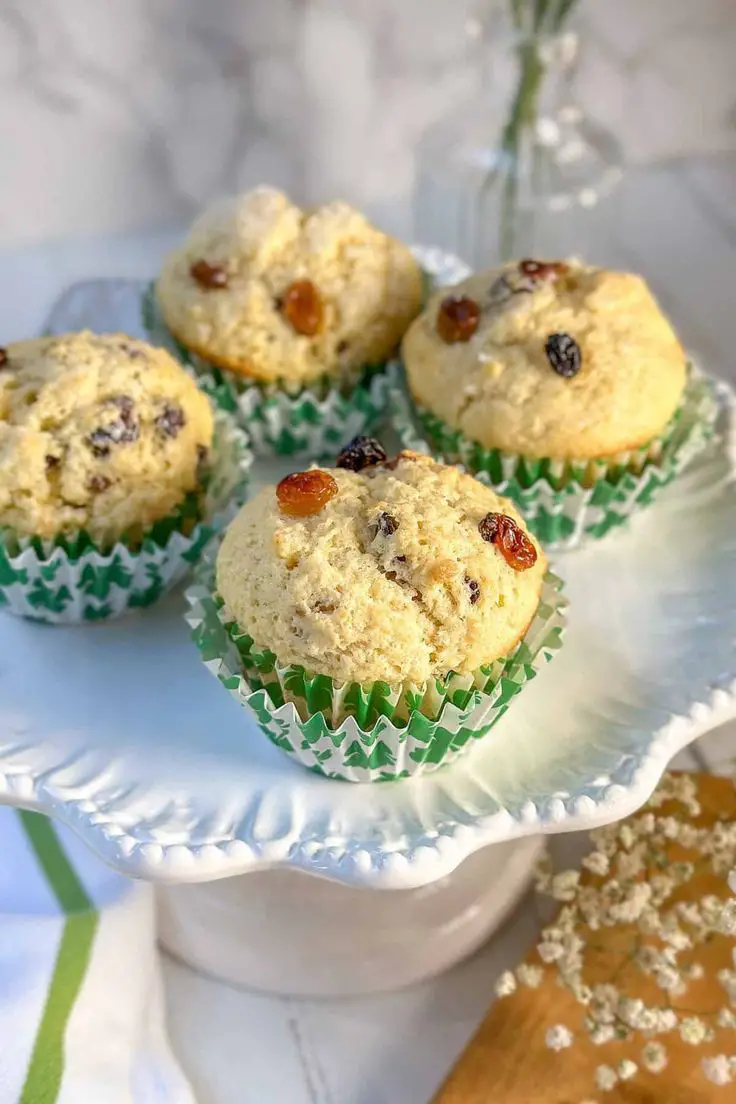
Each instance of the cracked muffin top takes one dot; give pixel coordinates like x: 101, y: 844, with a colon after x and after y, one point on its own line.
x: 272, y: 292
x: 392, y: 571
x: 101, y: 433
x: 548, y: 359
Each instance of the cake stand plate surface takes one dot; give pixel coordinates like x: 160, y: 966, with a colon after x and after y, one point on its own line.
x: 120, y: 731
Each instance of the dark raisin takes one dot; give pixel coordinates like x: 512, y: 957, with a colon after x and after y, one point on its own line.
x: 542, y: 270
x: 305, y: 493
x: 98, y: 483
x: 361, y: 452
x: 170, y: 420
x: 473, y: 590
x: 3, y: 357
x: 457, y: 319
x: 133, y: 352
x: 208, y: 276
x: 400, y: 559
x: 342, y: 347
x: 323, y: 605
x: 387, y: 524
x: 515, y: 546
x: 125, y: 405
x: 123, y: 431
x: 488, y: 527
x: 302, y: 307
x: 563, y: 353
x: 52, y: 462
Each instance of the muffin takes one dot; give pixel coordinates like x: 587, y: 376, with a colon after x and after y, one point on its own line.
x: 382, y: 612
x: 107, y: 448
x: 288, y: 314
x: 562, y: 384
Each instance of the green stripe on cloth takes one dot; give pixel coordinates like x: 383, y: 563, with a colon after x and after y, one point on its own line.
x: 46, y: 1067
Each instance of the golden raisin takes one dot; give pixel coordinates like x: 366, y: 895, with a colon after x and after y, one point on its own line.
x: 305, y: 493
x: 515, y: 546
x: 457, y: 318
x: 543, y: 270
x: 303, y: 309
x: 207, y: 275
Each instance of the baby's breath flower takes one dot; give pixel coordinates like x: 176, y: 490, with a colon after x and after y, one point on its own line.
x: 630, y: 909
x: 654, y: 1057
x: 650, y: 922
x: 605, y: 839
x: 602, y: 1033
x: 668, y: 979
x: 718, y: 1070
x: 597, y: 863
x: 605, y: 1078
x: 564, y: 885
x: 727, y: 919
x: 550, y: 952
x: 689, y: 912
x: 506, y: 984
x: 677, y: 938
x: 558, y: 1037
x: 530, y: 976
x: 582, y: 993
x: 626, y: 1069
x: 693, y: 1031
x: 726, y: 1018
x: 727, y: 979
x: 665, y: 1019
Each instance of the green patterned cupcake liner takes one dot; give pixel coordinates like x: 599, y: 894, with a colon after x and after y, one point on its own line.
x: 565, y: 502
x: 374, y: 732
x: 72, y: 580
x: 287, y: 420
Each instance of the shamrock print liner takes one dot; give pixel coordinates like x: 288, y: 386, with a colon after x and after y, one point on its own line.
x: 71, y: 580
x: 565, y: 502
x: 301, y: 420
x: 366, y: 732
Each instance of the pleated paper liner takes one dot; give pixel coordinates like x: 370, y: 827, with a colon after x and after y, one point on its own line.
x: 373, y: 732
x: 566, y: 502
x: 71, y: 580
x: 283, y: 418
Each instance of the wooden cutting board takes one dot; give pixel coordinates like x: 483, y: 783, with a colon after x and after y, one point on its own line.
x: 507, y: 1061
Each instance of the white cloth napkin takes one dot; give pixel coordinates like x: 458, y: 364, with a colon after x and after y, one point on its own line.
x: 81, y: 1009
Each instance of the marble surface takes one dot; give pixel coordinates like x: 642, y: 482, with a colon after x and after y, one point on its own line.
x: 133, y: 113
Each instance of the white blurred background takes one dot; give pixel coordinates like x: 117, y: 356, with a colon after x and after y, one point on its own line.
x: 128, y: 114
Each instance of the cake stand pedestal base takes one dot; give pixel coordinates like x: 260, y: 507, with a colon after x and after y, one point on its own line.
x: 286, y: 932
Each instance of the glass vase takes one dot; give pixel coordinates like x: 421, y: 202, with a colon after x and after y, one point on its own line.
x: 521, y: 170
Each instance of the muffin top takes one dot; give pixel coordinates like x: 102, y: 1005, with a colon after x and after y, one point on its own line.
x: 273, y: 292
x: 406, y: 570
x: 548, y: 359
x: 100, y: 433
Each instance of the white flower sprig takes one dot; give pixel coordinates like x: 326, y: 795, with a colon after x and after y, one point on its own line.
x: 632, y: 881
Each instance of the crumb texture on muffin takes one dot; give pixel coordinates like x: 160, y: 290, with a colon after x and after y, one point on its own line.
x: 390, y: 581
x: 295, y: 294
x: 518, y: 384
x: 101, y: 433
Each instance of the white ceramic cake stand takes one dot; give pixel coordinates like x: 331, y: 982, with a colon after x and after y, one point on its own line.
x: 120, y: 731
